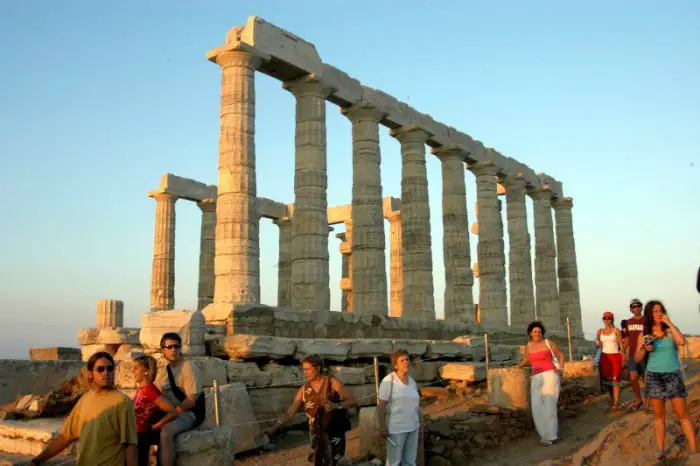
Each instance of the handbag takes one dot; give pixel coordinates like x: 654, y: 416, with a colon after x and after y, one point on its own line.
x: 339, y: 418
x: 555, y: 359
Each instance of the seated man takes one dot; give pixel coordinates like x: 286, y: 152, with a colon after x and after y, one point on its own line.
x: 180, y: 385
x: 103, y: 422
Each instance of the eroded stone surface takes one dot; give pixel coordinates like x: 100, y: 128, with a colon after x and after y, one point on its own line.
x: 54, y: 354
x: 463, y: 371
x: 188, y: 324
x: 205, y: 446
x: 255, y: 346
x: 236, y: 413
x: 508, y: 388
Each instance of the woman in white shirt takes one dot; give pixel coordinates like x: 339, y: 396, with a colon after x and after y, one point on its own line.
x: 400, y: 393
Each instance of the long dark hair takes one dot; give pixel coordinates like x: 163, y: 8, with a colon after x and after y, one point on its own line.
x: 649, y: 316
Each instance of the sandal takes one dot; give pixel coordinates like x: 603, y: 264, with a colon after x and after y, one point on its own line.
x: 637, y: 405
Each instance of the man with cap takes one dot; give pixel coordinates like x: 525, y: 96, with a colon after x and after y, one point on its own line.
x: 632, y: 330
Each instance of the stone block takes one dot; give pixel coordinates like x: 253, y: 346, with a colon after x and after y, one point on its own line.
x: 89, y: 350
x: 129, y: 352
x: 371, y: 443
x: 55, y: 354
x: 205, y: 446
x: 247, y: 373
x: 414, y: 347
x: 211, y: 369
x: 23, y: 377
x: 259, y: 346
x: 328, y: 350
x: 463, y: 371
x: 426, y: 371
x: 272, y: 402
x: 284, y: 374
x: 236, y: 413
x: 448, y: 349
x: 118, y: 336
x: 508, y: 388
x: 110, y: 313
x: 30, y: 437
x: 188, y: 324
x: 124, y: 375
x: 365, y: 348
x: 579, y: 369
x: 691, y: 349
x: 349, y: 375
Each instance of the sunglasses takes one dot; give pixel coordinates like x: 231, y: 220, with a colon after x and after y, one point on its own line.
x: 607, y: 318
x: 101, y: 369
x: 636, y: 306
x: 169, y: 347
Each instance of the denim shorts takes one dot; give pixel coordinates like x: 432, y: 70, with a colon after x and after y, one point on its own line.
x: 634, y: 366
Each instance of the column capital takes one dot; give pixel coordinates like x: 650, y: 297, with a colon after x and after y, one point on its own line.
x: 163, y: 195
x: 340, y: 236
x: 449, y: 152
x: 563, y: 203
x: 393, y: 216
x: 485, y: 167
x: 542, y: 193
x: 514, y: 181
x: 411, y: 133
x: 282, y: 221
x: 238, y: 55
x: 308, y: 85
x: 207, y: 205
x: 363, y: 111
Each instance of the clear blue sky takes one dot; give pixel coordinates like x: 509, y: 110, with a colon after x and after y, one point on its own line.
x: 98, y: 99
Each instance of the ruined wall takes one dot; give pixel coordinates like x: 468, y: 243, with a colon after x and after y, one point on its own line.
x: 35, y: 377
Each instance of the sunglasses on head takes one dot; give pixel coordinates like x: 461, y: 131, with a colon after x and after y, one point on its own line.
x: 176, y: 346
x: 101, y: 369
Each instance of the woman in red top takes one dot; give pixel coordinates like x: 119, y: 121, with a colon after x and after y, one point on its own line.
x: 149, y: 406
x: 544, y: 386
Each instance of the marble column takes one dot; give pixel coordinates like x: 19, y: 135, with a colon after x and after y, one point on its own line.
x: 163, y: 275
x: 205, y: 293
x: 344, y: 272
x: 284, y: 262
x: 237, y: 251
x: 396, y: 264
x: 418, y: 299
x: 368, y: 245
x: 522, y: 293
x: 546, y: 293
x: 569, y: 299
x: 110, y: 313
x: 310, y: 277
x: 459, y: 280
x: 493, y: 303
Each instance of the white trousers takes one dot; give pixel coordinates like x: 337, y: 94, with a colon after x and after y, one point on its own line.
x: 544, y: 395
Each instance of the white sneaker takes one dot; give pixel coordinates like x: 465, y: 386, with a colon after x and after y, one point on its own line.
x: 545, y: 442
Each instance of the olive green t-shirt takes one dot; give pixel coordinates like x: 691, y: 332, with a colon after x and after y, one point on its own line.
x: 104, y: 424
x: 186, y: 378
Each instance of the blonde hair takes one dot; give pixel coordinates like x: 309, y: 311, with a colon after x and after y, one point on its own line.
x: 150, y: 364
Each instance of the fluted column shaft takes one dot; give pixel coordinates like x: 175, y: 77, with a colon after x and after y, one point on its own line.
x: 284, y: 262
x: 396, y: 264
x: 459, y: 279
x: 368, y: 244
x: 546, y: 293
x: 522, y: 293
x: 163, y: 275
x: 310, y: 277
x: 418, y: 299
x: 493, y: 304
x: 205, y: 292
x: 569, y: 299
x: 237, y: 251
x: 346, y: 281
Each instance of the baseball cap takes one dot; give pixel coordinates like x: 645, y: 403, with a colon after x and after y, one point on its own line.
x: 636, y: 302
x: 608, y: 314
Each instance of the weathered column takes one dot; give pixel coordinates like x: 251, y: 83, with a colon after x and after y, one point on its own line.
x: 569, y: 299
x: 344, y: 272
x: 396, y: 264
x: 110, y: 313
x: 493, y: 304
x: 237, y: 252
x: 522, y: 293
x: 368, y: 245
x: 346, y: 281
x: 459, y: 302
x: 310, y: 278
x: 284, y: 262
x: 163, y: 275
x: 205, y: 294
x: 418, y: 299
x: 546, y: 293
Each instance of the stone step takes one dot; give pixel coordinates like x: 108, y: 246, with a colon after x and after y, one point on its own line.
x: 14, y: 459
x: 30, y: 437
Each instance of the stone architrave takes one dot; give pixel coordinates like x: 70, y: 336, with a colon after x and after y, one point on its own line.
x: 418, y: 291
x: 569, y: 299
x: 310, y: 276
x: 493, y: 304
x: 546, y: 292
x: 163, y: 275
x: 344, y: 272
x: 522, y: 293
x: 459, y: 301
x: 237, y: 251
x: 396, y: 261
x: 205, y: 293
x: 110, y: 313
x: 368, y: 246
x: 284, y: 262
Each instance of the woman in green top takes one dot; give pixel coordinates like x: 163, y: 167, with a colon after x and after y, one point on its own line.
x: 664, y: 379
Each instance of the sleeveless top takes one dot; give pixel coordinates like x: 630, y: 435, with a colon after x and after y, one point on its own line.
x: 313, y: 400
x: 541, y: 361
x: 609, y: 342
x: 664, y: 358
